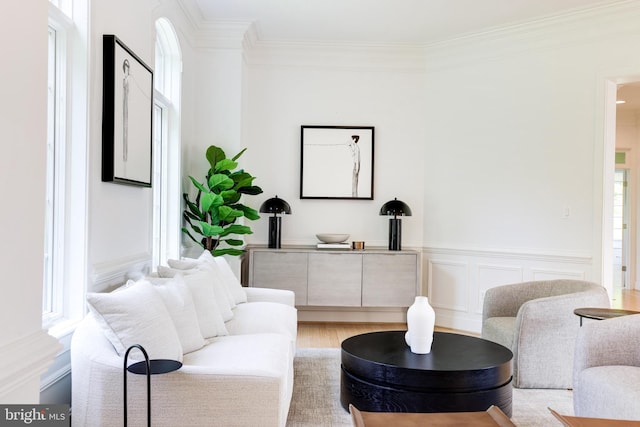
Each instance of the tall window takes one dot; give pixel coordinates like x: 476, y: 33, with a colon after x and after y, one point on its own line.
x: 166, y: 181
x: 64, y: 246
x: 52, y: 308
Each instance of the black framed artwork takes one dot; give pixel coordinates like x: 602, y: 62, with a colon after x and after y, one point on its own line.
x: 336, y: 162
x: 127, y: 115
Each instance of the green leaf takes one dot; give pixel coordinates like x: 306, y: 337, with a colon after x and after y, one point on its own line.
x: 197, y: 184
x: 236, y: 229
x: 219, y: 182
x: 196, y: 228
x: 250, y: 213
x: 239, y: 154
x: 230, y: 196
x: 192, y: 207
x: 239, y: 176
x: 253, y: 190
x: 214, y: 155
x: 246, y: 181
x: 210, y: 230
x: 228, y: 214
x: 185, y: 231
x: 233, y: 242
x: 208, y: 200
x: 228, y: 251
x: 225, y: 165
x: 188, y: 217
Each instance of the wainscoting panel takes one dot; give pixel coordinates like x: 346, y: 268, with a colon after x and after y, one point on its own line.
x: 449, y: 281
x: 489, y: 275
x: 457, y: 279
x: 556, y: 274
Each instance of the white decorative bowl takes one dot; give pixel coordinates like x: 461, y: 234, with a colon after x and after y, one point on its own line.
x: 332, y: 238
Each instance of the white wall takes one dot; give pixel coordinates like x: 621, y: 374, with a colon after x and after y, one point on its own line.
x: 495, y: 140
x: 120, y: 217
x: 286, y: 91
x: 25, y: 350
x: 510, y: 150
x: 217, y: 107
x: 515, y: 137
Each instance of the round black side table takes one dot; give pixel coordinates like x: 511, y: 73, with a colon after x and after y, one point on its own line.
x: 600, y: 313
x: 146, y: 367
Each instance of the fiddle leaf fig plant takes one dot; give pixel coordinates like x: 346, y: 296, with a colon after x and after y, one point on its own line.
x: 214, y: 212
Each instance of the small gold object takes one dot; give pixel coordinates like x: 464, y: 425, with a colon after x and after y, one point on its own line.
x: 357, y: 246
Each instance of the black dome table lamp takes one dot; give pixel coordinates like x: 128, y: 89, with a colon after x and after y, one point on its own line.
x: 395, y: 208
x: 275, y: 205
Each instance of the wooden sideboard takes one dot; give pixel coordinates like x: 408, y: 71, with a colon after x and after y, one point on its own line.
x: 336, y: 278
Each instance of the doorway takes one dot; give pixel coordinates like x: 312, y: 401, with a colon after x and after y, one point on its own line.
x: 627, y: 147
x: 621, y: 247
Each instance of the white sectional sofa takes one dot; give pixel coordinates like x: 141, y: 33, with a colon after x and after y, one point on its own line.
x: 236, y: 344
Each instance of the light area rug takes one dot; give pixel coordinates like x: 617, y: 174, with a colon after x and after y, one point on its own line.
x: 316, y: 395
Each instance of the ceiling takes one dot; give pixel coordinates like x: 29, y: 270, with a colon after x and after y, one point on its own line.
x: 412, y: 22
x: 378, y: 21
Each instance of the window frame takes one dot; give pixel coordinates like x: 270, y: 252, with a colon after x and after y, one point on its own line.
x: 53, y: 295
x: 65, y: 284
x: 167, y: 146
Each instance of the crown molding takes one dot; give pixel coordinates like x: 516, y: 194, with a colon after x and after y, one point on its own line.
x: 192, y: 13
x: 405, y: 57
x: 221, y: 34
x: 575, y: 27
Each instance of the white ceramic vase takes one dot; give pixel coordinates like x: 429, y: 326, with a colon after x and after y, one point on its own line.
x: 420, y: 323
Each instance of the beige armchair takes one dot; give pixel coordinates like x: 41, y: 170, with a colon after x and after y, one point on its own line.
x: 536, y: 321
x: 606, y: 379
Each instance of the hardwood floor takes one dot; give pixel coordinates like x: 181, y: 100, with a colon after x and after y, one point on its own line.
x: 326, y: 335
x: 331, y: 335
x: 628, y: 300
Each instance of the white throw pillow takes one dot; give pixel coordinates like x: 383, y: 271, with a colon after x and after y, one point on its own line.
x: 136, y: 315
x: 212, y: 262
x: 232, y: 282
x: 206, y: 256
x: 204, y: 298
x: 183, y: 264
x: 224, y: 274
x: 206, y: 277
x: 179, y: 302
x: 189, y: 266
x: 223, y: 298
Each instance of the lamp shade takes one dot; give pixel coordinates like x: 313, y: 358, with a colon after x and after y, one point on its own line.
x: 275, y: 205
x: 394, y: 208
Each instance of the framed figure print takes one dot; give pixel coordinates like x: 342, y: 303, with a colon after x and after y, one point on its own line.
x: 336, y: 162
x: 127, y: 115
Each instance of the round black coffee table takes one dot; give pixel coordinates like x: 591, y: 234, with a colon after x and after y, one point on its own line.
x: 461, y: 374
